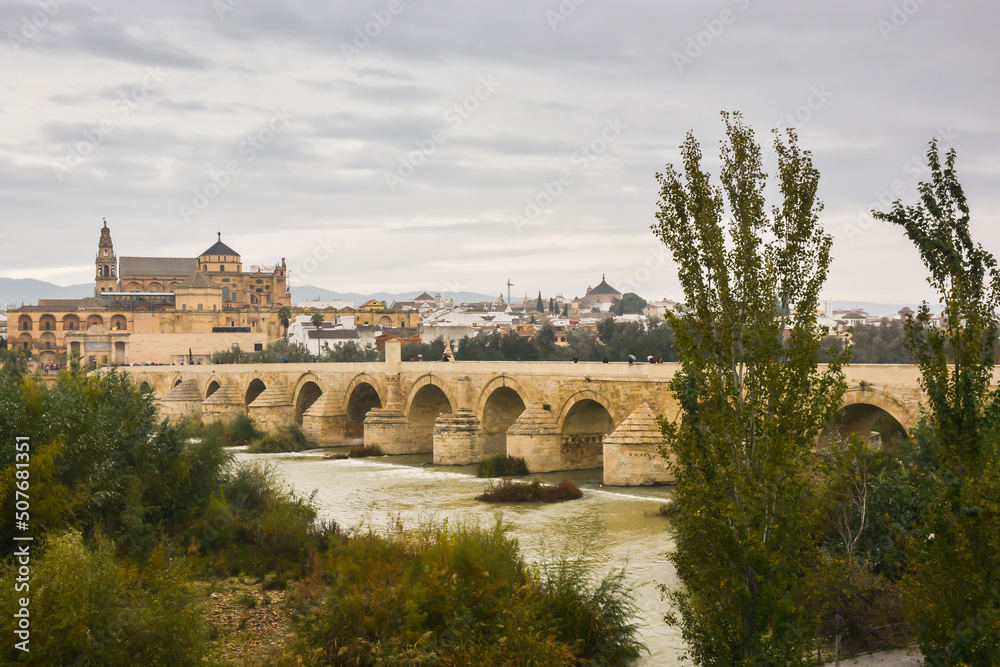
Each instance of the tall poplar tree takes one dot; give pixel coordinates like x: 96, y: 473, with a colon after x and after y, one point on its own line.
x: 752, y: 397
x: 953, y: 590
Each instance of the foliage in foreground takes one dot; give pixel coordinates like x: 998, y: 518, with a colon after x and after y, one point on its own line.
x: 752, y: 398
x: 89, y: 607
x: 953, y: 589
x: 502, y: 465
x: 457, y: 596
x: 507, y: 490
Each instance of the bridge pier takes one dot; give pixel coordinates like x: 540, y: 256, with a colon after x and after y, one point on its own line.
x: 458, y: 439
x: 534, y: 437
x: 389, y: 431
x: 632, y: 452
x: 321, y: 424
x: 183, y: 401
x: 223, y: 405
x: 273, y: 408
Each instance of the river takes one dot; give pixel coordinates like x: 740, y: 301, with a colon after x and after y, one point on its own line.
x: 614, y: 527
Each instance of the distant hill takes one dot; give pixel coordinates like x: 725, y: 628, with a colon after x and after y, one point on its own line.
x: 15, y: 291
x: 311, y: 293
x: 28, y: 291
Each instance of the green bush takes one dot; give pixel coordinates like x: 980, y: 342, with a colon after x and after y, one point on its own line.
x: 441, y: 594
x: 89, y: 608
x: 256, y: 524
x: 511, y: 491
x: 288, y: 438
x: 500, y: 465
x: 241, y: 430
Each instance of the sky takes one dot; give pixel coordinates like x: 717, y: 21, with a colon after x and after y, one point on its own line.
x: 450, y: 146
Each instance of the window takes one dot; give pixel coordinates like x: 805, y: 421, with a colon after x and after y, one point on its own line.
x: 222, y: 267
x: 105, y: 252
x: 199, y: 307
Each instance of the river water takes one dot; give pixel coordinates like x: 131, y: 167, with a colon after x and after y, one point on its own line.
x: 613, y: 527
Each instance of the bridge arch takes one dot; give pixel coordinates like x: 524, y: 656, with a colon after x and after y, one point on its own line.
x: 429, y: 379
x: 254, y: 389
x: 307, y: 391
x: 213, y: 386
x: 428, y: 398
x: 583, y: 422
x: 363, y: 393
x: 863, y: 408
x: 501, y: 402
x: 572, y: 406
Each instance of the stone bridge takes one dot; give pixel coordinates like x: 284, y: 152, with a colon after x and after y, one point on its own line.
x: 557, y: 415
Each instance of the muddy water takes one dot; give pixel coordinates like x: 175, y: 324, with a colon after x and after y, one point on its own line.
x: 612, y: 527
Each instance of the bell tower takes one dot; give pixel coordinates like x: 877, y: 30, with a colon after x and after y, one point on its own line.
x: 107, y: 263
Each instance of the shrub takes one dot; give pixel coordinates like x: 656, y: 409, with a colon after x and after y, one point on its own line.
x: 89, y: 608
x: 360, y: 451
x: 288, y: 438
x: 457, y: 595
x: 511, y: 491
x: 241, y: 430
x: 256, y: 524
x: 500, y: 465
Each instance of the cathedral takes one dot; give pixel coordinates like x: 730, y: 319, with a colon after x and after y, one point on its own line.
x: 217, y: 269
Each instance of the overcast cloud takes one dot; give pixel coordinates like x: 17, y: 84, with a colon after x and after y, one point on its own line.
x: 408, y: 144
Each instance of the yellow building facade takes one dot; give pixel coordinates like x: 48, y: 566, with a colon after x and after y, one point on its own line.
x: 196, y: 300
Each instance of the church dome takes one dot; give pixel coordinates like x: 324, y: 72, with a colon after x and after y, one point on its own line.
x: 220, y: 248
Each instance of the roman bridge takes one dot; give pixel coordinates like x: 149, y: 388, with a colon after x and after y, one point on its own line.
x: 557, y: 415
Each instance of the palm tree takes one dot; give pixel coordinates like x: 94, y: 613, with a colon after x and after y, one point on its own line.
x: 285, y: 317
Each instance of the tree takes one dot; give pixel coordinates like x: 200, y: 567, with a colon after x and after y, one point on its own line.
x: 630, y: 303
x: 540, y: 305
x: 316, y: 319
x: 953, y: 589
x: 752, y: 398
x: 552, y: 304
x: 285, y: 317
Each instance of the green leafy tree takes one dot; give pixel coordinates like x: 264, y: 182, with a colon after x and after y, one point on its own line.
x: 953, y: 589
x: 539, y: 304
x: 352, y: 351
x: 630, y: 303
x: 752, y: 397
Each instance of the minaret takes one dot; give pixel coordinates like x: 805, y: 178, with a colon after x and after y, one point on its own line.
x: 107, y: 264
